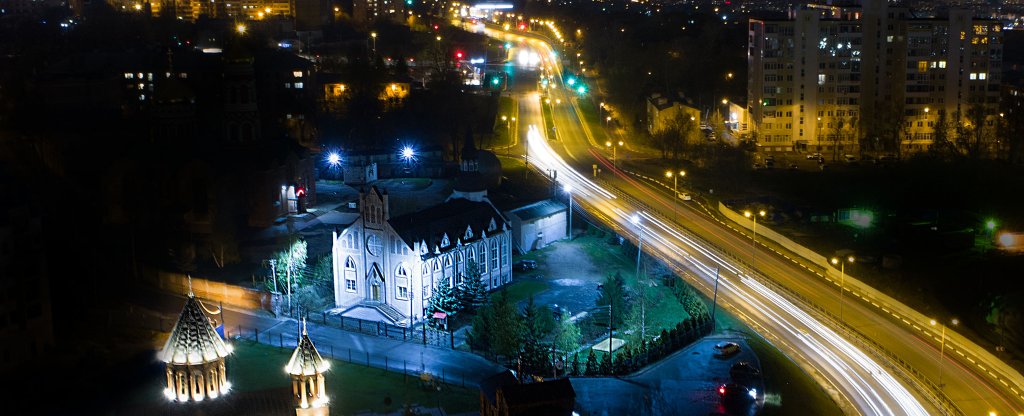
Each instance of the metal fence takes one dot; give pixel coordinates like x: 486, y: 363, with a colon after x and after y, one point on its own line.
x: 433, y: 376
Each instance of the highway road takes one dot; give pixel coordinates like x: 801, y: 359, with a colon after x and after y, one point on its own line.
x: 790, y: 302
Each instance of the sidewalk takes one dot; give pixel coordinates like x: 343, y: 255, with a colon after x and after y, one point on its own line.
x: 412, y: 356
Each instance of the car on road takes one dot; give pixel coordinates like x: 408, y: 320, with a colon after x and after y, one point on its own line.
x: 524, y: 265
x: 684, y: 196
x: 726, y: 349
x: 735, y: 392
x: 793, y: 166
x: 814, y: 156
x: 743, y: 370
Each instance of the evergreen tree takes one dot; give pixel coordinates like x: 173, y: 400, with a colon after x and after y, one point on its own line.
x: 472, y: 292
x: 482, y: 331
x: 507, y: 332
x: 613, y: 292
x: 539, y: 320
x: 574, y: 368
x: 592, y: 368
x: 443, y: 300
x: 535, y: 356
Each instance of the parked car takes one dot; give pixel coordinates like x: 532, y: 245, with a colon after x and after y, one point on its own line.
x: 887, y: 158
x: 726, y: 349
x: 814, y: 156
x: 850, y: 158
x: 743, y: 370
x: 793, y: 166
x: 524, y: 265
x: 736, y: 392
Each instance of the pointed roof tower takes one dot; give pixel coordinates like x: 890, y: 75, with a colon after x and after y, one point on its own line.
x: 306, y: 369
x: 194, y: 354
x: 306, y: 359
x: 193, y: 339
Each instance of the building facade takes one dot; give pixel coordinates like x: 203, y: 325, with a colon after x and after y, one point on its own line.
x: 842, y: 80
x: 393, y: 264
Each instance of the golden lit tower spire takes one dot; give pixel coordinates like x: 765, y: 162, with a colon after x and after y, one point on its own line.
x: 307, y: 368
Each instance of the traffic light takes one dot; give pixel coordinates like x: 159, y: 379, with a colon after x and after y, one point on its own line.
x: 508, y: 45
x: 581, y: 89
x: 571, y: 81
x: 458, y: 54
x: 522, y: 26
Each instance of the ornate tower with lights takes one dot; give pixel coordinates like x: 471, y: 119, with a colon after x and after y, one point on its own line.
x: 195, y: 354
x: 307, y: 368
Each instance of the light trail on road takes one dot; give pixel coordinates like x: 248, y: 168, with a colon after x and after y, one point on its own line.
x: 865, y: 384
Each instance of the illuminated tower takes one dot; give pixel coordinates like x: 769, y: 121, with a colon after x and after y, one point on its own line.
x: 194, y: 354
x: 307, y: 370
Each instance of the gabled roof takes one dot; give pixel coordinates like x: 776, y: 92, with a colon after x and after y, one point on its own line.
x: 193, y: 339
x: 490, y: 385
x: 451, y: 217
x: 305, y: 359
x: 539, y: 209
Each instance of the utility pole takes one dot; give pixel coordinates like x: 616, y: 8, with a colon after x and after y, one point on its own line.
x: 714, y: 303
x: 273, y: 272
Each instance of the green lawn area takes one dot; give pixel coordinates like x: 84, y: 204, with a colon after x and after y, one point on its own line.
x: 352, y: 387
x: 522, y: 290
x: 663, y: 310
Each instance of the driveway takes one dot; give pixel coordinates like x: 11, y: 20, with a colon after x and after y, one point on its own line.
x: 685, y: 383
x: 571, y: 277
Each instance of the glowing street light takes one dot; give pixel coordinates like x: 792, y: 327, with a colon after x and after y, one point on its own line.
x: 842, y: 281
x: 240, y: 28
x: 609, y: 145
x: 334, y: 159
x: 374, y: 36
x: 753, y: 239
x: 942, y: 347
x: 408, y: 153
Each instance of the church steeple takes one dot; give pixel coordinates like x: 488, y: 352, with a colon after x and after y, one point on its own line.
x: 307, y: 368
x: 194, y: 354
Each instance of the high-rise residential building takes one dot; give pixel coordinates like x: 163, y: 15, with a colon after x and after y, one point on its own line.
x: 366, y: 11
x: 842, y: 80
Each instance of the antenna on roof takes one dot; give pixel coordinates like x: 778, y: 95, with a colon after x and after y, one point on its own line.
x: 190, y: 294
x: 304, y: 326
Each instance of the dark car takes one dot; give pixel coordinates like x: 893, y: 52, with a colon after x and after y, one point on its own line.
x: 524, y: 265
x: 726, y: 349
x: 735, y: 392
x: 743, y: 370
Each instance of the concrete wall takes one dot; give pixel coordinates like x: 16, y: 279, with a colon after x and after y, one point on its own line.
x: 229, y: 295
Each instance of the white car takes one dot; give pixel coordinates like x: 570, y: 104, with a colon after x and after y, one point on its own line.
x: 814, y: 156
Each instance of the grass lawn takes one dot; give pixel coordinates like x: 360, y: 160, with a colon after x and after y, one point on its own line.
x: 352, y: 387
x: 663, y: 309
x: 521, y: 290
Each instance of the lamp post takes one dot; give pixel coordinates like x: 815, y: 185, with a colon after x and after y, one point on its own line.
x: 609, y: 145
x: 753, y: 239
x: 568, y: 191
x: 942, y: 347
x: 842, y: 281
x: 373, y: 35
x: 635, y: 219
x: 607, y: 121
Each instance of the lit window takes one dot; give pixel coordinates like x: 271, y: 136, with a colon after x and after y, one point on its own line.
x: 297, y: 74
x: 350, y: 274
x: 888, y: 39
x: 922, y: 66
x: 142, y: 97
x: 287, y: 85
x: 129, y: 75
x: 149, y: 76
x: 942, y: 64
x: 974, y: 75
x: 821, y: 79
x: 298, y: 85
x: 982, y: 75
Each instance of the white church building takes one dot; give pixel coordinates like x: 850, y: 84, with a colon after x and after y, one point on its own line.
x: 387, y: 268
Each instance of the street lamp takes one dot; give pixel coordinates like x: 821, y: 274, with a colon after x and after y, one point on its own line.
x: 607, y: 120
x: 675, y: 181
x: 635, y: 219
x: 568, y: 191
x: 609, y: 145
x: 942, y: 347
x: 842, y: 281
x: 753, y: 239
x: 374, y: 36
